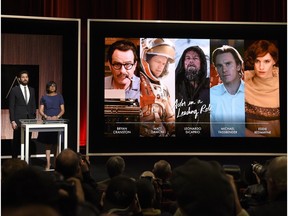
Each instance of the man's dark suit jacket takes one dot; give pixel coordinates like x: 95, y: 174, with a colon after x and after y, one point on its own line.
x: 18, y: 109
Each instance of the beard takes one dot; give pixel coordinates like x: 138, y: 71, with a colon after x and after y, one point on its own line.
x: 192, y: 73
x: 24, y: 83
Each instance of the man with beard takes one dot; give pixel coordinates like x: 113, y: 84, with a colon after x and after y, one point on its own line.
x: 192, y: 94
x: 22, y: 105
x: 227, y: 98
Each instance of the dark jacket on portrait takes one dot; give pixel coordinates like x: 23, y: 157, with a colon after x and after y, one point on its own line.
x: 193, y: 102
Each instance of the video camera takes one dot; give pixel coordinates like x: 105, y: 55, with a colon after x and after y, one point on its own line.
x: 256, y: 194
x: 259, y: 170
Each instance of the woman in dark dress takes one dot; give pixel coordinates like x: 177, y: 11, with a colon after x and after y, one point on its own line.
x: 51, y: 108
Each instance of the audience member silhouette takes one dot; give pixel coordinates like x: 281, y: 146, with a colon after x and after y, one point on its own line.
x: 89, y: 184
x: 149, y: 175
x: 28, y: 186
x: 147, y: 196
x: 202, y: 188
x: 120, y: 197
x: 256, y: 191
x: 76, y: 171
x: 11, y: 166
x: 163, y: 171
x: 276, y: 181
x: 115, y: 165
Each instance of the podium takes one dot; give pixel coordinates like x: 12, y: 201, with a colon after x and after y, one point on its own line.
x: 31, y: 125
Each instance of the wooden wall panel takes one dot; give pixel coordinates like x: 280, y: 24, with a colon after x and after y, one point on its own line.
x: 43, y: 50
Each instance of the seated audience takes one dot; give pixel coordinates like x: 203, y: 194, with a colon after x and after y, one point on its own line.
x: 120, y: 197
x: 115, y: 166
x: 147, y: 196
x: 10, y: 166
x: 202, y: 188
x: 28, y: 186
x: 239, y: 210
x: 162, y: 171
x: 75, y: 170
x: 89, y: 184
x: 256, y: 191
x: 149, y: 175
x: 276, y: 184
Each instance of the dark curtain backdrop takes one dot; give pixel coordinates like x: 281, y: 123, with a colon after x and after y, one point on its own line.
x: 189, y: 10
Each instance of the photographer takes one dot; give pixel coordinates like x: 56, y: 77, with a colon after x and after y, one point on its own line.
x: 75, y: 170
x: 276, y: 180
x: 256, y: 194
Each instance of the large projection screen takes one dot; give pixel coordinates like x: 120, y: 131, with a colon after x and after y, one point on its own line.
x: 136, y: 126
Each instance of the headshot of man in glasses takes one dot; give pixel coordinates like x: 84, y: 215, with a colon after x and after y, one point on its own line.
x: 123, y: 63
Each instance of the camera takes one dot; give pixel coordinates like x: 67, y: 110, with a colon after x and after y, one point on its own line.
x: 259, y: 169
x: 256, y: 194
x: 61, y: 183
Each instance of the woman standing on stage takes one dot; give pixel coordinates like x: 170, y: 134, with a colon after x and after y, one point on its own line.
x: 51, y: 108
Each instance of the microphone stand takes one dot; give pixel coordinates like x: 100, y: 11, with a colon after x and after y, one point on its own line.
x: 12, y: 86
